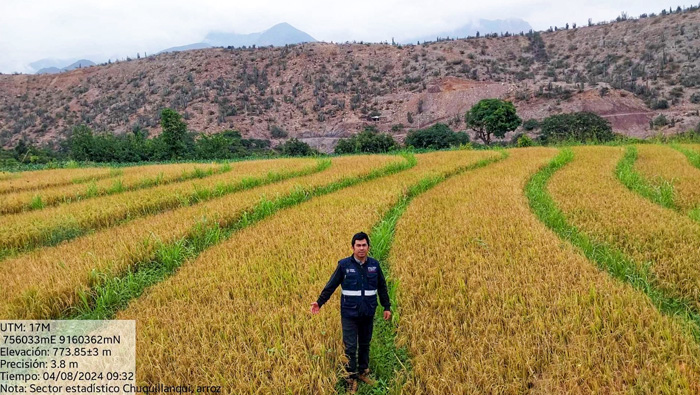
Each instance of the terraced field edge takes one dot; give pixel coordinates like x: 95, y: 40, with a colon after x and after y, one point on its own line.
x: 606, y: 257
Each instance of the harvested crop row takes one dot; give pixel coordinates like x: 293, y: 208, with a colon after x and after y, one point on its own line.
x: 37, y: 179
x: 662, y: 165
x: 36, y: 228
x: 47, y: 282
x: 596, y: 203
x: 491, y: 301
x: 261, y: 281
x: 131, y: 178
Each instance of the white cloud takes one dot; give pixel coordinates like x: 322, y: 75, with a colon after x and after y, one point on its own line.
x: 100, y: 29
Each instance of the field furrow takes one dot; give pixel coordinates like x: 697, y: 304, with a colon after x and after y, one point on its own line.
x: 32, y: 229
x: 261, y: 281
x: 48, y: 283
x: 661, y: 241
x: 491, y: 301
x: 131, y: 178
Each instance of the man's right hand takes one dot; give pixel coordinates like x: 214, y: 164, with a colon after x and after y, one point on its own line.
x: 314, y: 308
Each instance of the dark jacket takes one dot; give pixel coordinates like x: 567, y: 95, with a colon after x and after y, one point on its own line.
x: 360, y: 286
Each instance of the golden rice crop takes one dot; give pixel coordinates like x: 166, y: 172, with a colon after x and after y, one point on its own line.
x: 37, y: 179
x: 46, y: 282
x: 131, y: 178
x: 662, y: 164
x: 38, y: 227
x: 595, y: 202
x: 491, y: 301
x: 250, y: 295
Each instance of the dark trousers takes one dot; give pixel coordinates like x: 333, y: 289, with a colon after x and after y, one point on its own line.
x: 357, y: 331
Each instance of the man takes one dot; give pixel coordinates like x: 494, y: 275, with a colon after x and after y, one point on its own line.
x: 360, y: 278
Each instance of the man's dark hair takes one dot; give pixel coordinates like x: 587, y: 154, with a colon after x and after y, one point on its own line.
x: 360, y: 236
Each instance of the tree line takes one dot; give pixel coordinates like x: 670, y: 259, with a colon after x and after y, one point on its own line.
x: 488, y: 119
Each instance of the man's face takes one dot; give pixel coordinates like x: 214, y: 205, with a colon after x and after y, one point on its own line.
x: 360, y: 249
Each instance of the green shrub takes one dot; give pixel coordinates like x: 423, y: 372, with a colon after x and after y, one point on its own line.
x: 578, y: 126
x: 278, y: 133
x: 296, y: 147
x: 661, y: 120
x: 531, y: 124
x: 369, y: 140
x: 524, y: 141
x: 438, y: 136
x: 658, y: 104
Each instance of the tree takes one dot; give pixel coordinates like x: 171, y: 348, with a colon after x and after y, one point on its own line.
x: 216, y: 146
x: 492, y: 117
x: 296, y: 147
x: 369, y: 140
x: 578, y: 126
x: 81, y: 143
x: 20, y: 149
x: 438, y: 136
x: 174, y: 133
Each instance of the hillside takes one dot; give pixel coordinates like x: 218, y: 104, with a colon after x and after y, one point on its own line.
x: 320, y: 92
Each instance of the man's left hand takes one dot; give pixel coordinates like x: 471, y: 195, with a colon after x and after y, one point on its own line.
x: 387, y: 315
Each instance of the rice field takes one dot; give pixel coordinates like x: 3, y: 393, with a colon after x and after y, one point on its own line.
x: 662, y: 241
x: 670, y: 175
x: 35, y: 180
x: 47, y: 282
x: 5, y: 175
x: 51, y: 225
x: 129, y: 178
x: 512, y: 310
x: 529, y: 270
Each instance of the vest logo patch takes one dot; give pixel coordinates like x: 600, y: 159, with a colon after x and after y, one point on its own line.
x: 350, y: 271
x: 372, y: 269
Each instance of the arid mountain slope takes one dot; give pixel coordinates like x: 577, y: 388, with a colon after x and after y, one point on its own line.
x: 323, y: 91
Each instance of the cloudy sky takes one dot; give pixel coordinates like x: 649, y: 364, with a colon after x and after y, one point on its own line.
x: 108, y: 29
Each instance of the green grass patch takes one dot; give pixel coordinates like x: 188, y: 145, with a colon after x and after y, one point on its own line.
x: 605, y: 256
x: 660, y: 192
x: 91, y: 191
x: 36, y: 203
x: 117, y: 187
x: 692, y: 155
x: 694, y: 214
x: 694, y: 159
x: 226, y: 167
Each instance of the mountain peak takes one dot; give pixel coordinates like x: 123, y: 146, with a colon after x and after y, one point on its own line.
x: 277, y: 35
x: 282, y: 25
x: 75, y: 65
